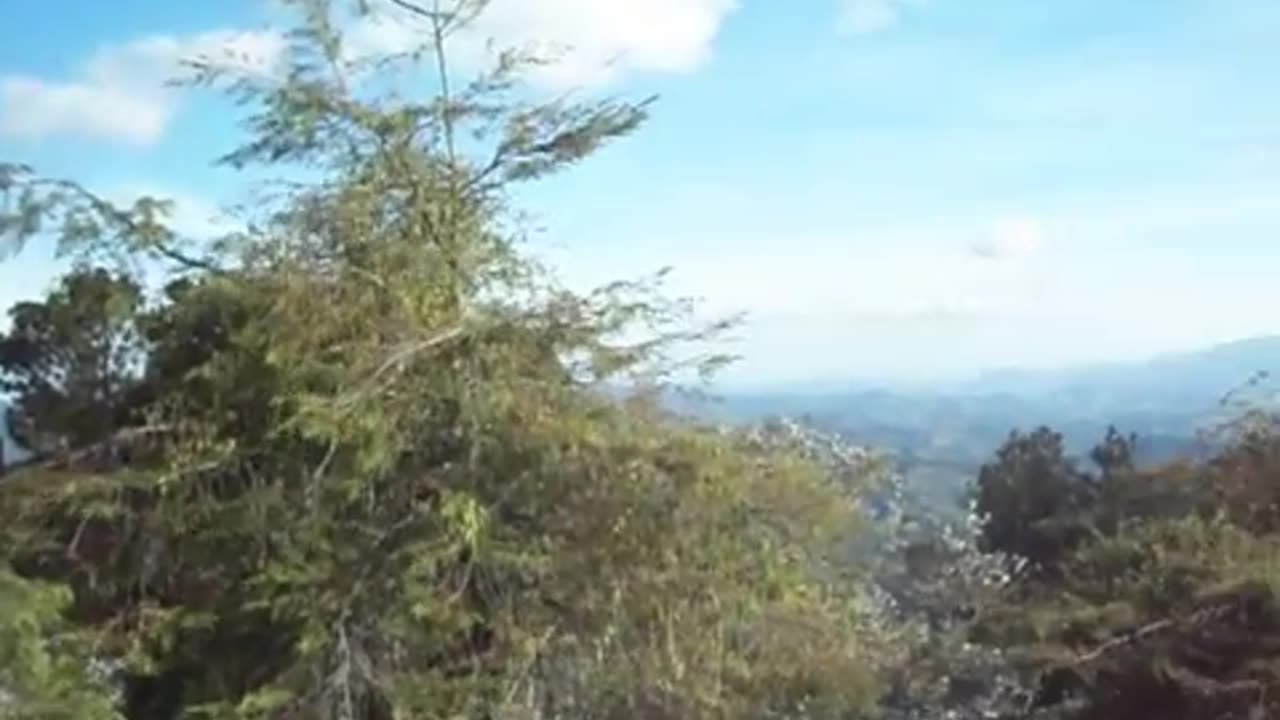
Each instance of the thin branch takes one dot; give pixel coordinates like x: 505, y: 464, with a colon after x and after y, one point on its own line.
x: 188, y: 261
x: 121, y: 217
x: 1196, y: 619
x: 73, y: 547
x: 64, y: 459
x: 402, y: 355
x: 438, y: 29
x: 441, y: 21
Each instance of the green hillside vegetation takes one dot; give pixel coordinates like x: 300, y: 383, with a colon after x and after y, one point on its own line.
x: 363, y: 459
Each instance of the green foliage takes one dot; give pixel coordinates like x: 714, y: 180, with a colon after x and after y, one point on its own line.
x: 1032, y: 498
x: 1165, y: 607
x: 373, y: 468
x: 45, y: 673
x: 85, y: 225
x: 72, y: 361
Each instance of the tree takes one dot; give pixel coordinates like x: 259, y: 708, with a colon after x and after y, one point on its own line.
x: 1167, y: 606
x: 390, y: 484
x: 1032, y: 499
x: 1167, y: 619
x: 71, y: 362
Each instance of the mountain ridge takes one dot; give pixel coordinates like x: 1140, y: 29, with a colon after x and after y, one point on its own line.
x: 941, y: 437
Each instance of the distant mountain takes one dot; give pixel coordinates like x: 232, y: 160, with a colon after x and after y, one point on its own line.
x: 942, y: 436
x: 1200, y: 376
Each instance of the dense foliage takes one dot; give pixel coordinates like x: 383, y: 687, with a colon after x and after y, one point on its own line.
x: 1149, y: 593
x: 364, y: 459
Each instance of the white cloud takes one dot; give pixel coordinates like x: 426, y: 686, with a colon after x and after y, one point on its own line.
x: 593, y: 42
x: 1011, y: 238
x: 868, y: 16
x: 120, y: 92
x: 32, y: 108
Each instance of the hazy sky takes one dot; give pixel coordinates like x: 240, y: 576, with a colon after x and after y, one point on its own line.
x: 888, y: 186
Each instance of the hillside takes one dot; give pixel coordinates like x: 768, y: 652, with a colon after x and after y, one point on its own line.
x: 1168, y: 380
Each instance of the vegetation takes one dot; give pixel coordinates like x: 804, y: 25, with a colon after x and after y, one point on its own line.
x: 1146, y: 593
x: 364, y: 460
x: 46, y: 672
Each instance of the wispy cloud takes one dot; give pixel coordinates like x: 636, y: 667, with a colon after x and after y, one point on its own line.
x: 121, y: 92
x: 1011, y: 238
x: 588, y: 42
x: 866, y: 16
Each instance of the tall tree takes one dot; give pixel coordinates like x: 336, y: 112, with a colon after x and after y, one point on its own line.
x: 427, y: 507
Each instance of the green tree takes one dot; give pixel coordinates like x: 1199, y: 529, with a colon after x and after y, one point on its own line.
x: 1167, y: 607
x: 1033, y: 500
x: 71, y: 362
x: 392, y: 483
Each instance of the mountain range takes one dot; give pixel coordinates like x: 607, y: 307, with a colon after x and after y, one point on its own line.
x: 941, y: 435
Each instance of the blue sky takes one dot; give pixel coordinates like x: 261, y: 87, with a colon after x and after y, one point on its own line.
x: 889, y: 187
